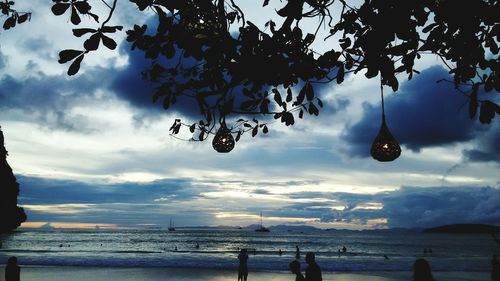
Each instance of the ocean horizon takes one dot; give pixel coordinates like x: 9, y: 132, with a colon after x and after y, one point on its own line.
x: 218, y: 247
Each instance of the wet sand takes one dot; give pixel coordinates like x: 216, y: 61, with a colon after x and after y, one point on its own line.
x: 67, y: 273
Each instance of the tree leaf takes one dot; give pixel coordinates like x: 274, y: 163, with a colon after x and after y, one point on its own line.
x: 308, y: 39
x: 79, y: 32
x: 92, y: 43
x: 309, y: 91
x: 111, y: 29
x: 108, y: 42
x: 488, y: 110
x: 320, y: 103
x: 340, y: 74
x: 75, y: 66
x: 265, y: 130
x: 67, y: 55
x: 473, y: 104
x: 277, y: 97
x: 429, y: 27
x: 313, y: 110
x: 264, y: 106
x: 60, y: 8
x: 23, y: 18
x: 166, y: 103
x: 289, y: 95
x: 175, y: 124
x: 255, y: 130
x: 82, y: 6
x: 75, y: 18
x: 10, y: 22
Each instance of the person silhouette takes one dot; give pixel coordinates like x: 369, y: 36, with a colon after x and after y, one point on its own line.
x: 295, y: 269
x: 280, y: 252
x: 243, y: 268
x: 12, y: 270
x: 495, y: 269
x: 313, y: 271
x: 422, y: 271
x: 344, y: 249
x: 297, y: 252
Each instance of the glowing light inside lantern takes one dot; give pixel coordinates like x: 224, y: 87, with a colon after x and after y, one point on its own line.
x: 223, y: 141
x: 385, y: 147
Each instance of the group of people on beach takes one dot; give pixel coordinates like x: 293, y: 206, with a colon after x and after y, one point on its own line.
x: 312, y: 273
x: 421, y: 268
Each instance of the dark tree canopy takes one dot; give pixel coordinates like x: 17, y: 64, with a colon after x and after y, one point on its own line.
x: 239, y: 73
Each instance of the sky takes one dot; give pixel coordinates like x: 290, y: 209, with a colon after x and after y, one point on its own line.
x: 92, y: 149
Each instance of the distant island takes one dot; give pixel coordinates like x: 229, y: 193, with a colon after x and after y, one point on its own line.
x: 464, y: 228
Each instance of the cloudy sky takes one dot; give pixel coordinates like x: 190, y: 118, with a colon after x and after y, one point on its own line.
x: 93, y: 149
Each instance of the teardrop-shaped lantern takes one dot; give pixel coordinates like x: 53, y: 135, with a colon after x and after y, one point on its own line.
x: 385, y: 147
x: 223, y: 141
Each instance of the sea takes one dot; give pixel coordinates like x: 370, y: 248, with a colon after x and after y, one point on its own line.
x: 218, y: 248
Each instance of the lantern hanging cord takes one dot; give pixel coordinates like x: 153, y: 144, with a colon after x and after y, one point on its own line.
x: 382, y: 97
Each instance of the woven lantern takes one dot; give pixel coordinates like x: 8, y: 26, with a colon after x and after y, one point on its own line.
x: 223, y: 141
x: 385, y: 147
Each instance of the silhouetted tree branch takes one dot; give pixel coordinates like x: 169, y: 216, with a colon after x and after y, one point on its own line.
x: 205, y: 50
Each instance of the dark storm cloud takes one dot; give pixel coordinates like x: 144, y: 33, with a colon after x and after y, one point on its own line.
x: 414, y: 207
x: 409, y: 206
x: 47, y: 99
x: 41, y: 191
x: 487, y: 148
x: 422, y: 114
x: 123, y: 204
x: 134, y: 203
x: 129, y: 84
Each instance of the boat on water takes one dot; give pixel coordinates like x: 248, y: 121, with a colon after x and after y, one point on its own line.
x: 171, y: 226
x: 262, y: 228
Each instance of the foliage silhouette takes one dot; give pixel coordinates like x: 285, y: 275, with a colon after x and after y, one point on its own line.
x: 205, y: 50
x: 13, y: 16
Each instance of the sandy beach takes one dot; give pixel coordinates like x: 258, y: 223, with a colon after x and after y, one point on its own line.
x: 67, y: 273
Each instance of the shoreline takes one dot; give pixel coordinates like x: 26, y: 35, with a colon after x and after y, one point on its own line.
x: 85, y: 273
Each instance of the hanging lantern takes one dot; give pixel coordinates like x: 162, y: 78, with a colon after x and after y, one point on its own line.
x: 223, y: 141
x: 385, y: 147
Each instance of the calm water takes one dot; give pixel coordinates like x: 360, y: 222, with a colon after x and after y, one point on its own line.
x: 218, y: 249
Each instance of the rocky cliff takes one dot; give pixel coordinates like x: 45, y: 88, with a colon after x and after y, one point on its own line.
x: 11, y: 216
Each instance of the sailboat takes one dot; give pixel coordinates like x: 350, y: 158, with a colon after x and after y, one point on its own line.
x: 171, y: 226
x: 262, y: 228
